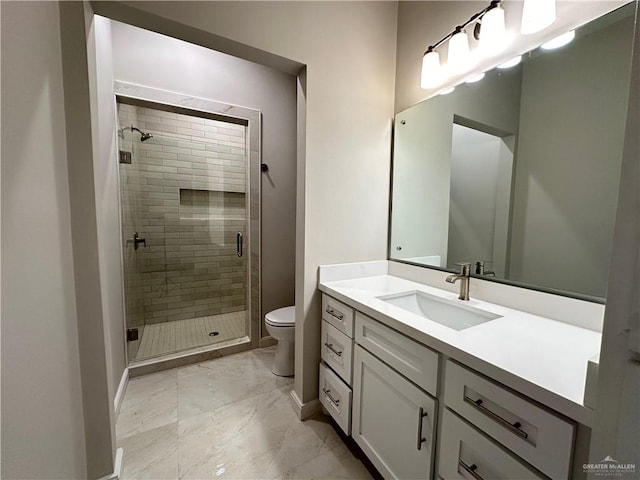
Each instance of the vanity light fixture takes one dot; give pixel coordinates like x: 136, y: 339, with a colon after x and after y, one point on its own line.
x: 492, y: 31
x: 447, y: 91
x: 511, y: 63
x: 560, y: 41
x: 432, y: 74
x: 459, y: 54
x: 537, y: 15
x: 489, y: 29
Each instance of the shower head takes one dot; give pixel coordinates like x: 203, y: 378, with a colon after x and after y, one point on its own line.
x: 143, y: 135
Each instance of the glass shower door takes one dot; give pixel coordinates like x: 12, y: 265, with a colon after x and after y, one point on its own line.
x: 185, y: 196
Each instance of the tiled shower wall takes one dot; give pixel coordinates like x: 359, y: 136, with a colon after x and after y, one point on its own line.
x: 185, y: 193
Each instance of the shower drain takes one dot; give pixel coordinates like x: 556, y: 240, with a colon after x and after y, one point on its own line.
x: 214, y: 333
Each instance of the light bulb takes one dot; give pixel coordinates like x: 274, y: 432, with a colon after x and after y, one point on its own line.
x: 560, y: 41
x: 459, y: 56
x: 432, y: 74
x: 492, y: 31
x: 537, y: 15
x: 511, y: 63
x: 447, y: 91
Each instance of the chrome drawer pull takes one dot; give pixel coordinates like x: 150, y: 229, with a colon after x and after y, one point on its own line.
x: 421, y: 439
x: 335, y: 401
x: 333, y: 313
x: 330, y: 347
x: 515, y: 427
x: 471, y: 470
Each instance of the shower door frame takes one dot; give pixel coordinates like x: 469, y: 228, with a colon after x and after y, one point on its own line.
x: 186, y: 104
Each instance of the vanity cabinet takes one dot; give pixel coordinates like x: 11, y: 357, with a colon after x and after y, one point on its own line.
x: 338, y: 314
x: 335, y: 396
x: 336, y: 352
x: 412, y: 359
x: 393, y: 420
x: 543, y: 439
x: 466, y: 453
x: 391, y: 392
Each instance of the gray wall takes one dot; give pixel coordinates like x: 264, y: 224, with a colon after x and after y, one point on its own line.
x: 564, y: 188
x: 154, y: 60
x: 92, y: 334
x: 349, y: 51
x: 107, y: 201
x: 42, y: 411
x: 617, y: 416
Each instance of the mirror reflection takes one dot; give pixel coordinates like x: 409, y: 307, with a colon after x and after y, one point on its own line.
x: 518, y: 172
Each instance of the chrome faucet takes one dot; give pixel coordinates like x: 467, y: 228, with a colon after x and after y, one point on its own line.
x: 463, y: 276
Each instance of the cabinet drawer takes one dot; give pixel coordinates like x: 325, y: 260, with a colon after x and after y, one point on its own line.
x: 338, y: 314
x: 412, y: 359
x: 467, y: 454
x: 335, y: 395
x: 336, y: 351
x: 394, y: 421
x: 538, y: 436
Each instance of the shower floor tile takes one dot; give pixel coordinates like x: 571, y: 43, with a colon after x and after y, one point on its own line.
x: 178, y: 335
x: 227, y: 430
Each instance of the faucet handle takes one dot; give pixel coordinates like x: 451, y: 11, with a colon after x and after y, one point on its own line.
x: 480, y: 267
x: 465, y: 268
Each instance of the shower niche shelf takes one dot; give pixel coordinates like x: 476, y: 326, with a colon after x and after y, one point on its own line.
x: 215, y: 205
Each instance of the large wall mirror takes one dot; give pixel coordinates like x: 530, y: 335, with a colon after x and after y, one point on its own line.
x: 518, y: 173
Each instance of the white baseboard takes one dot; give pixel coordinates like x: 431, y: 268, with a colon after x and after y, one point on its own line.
x: 122, y: 387
x: 304, y: 410
x: 118, y: 465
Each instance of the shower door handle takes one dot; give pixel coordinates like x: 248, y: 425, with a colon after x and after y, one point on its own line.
x: 239, y: 244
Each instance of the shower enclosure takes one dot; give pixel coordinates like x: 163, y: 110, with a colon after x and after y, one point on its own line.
x: 185, y: 214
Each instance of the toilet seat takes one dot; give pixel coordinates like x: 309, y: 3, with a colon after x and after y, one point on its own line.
x: 282, y: 317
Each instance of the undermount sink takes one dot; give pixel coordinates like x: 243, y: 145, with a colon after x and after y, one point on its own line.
x: 445, y: 312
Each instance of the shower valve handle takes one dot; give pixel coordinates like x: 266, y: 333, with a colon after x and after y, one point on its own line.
x: 137, y: 241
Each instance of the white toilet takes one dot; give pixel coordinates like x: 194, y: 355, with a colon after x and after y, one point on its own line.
x: 281, y: 325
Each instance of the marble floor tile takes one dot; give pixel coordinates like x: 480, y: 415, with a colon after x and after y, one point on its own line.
x: 210, y: 385
x: 150, y: 401
x: 151, y: 455
x: 333, y: 465
x: 260, y: 437
x: 228, y: 418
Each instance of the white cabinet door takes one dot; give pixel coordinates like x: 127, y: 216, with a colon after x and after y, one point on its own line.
x: 393, y: 420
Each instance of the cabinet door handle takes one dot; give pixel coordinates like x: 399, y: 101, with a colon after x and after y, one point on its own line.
x: 333, y: 313
x: 335, y: 401
x: 330, y: 347
x: 470, y: 469
x: 512, y: 427
x: 420, y: 439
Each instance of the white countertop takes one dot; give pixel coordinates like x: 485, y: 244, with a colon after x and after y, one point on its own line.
x: 541, y: 358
